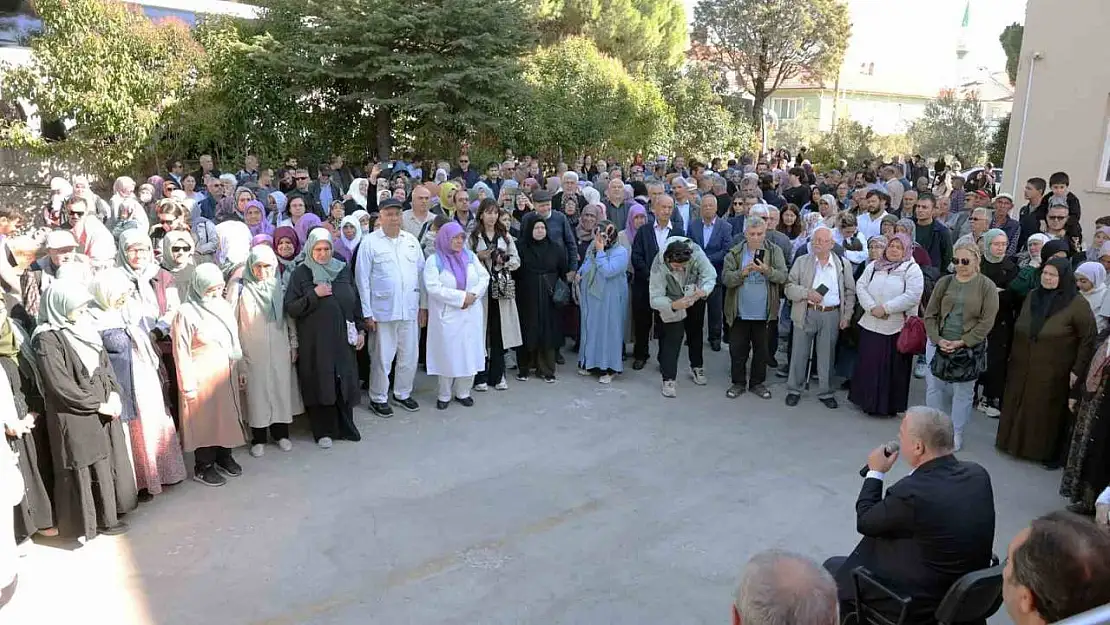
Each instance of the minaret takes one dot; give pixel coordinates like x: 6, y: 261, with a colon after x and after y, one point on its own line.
x: 961, y: 49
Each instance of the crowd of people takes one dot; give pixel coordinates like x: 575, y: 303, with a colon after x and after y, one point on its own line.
x: 199, y: 312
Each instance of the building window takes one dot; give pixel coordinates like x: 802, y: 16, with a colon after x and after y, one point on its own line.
x: 786, y: 108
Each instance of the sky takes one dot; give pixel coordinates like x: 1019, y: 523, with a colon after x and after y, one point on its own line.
x: 921, y: 37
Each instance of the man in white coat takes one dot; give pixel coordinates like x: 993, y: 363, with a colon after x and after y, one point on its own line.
x: 388, y: 272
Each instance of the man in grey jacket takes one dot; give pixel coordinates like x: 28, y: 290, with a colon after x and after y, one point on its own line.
x: 822, y: 293
x: 681, y: 279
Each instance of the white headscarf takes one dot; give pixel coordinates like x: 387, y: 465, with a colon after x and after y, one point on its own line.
x: 356, y: 193
x: 235, y: 243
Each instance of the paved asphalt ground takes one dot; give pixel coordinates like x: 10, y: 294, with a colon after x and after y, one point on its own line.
x: 549, y: 503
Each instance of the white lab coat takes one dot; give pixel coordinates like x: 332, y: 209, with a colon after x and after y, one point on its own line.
x: 387, y: 274
x: 456, y: 337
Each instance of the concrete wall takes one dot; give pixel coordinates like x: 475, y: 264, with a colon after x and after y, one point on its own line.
x: 25, y: 179
x: 1068, y: 107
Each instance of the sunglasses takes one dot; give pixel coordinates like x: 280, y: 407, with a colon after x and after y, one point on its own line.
x: 181, y: 249
x: 77, y: 214
x: 166, y: 222
x: 962, y: 261
x: 1057, y: 217
x: 301, y: 177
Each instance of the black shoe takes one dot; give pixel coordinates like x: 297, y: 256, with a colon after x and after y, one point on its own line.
x: 782, y: 373
x: 735, y: 391
x: 846, y: 385
x: 229, y: 467
x: 715, y: 346
x: 466, y: 401
x: 522, y: 376
x: 145, y: 496
x: 442, y: 405
x: 559, y: 360
x: 773, y: 364
x: 382, y: 410
x: 209, y: 476
x: 638, y: 364
x: 761, y: 391
x: 550, y: 379
x: 117, y: 529
x: 830, y: 402
x: 792, y: 399
x: 407, y: 403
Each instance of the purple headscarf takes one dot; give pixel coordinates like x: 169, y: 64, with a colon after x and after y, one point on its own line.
x: 262, y: 239
x: 305, y: 225
x: 885, y: 264
x: 629, y: 229
x: 456, y: 261
x: 264, y: 226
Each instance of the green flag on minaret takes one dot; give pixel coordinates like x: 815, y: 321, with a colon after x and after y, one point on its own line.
x: 967, y: 15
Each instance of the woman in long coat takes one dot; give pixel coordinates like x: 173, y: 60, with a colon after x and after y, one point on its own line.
x: 93, y: 479
x: 269, y: 352
x: 1053, y: 342
x: 603, y: 283
x: 542, y: 262
x: 1002, y: 270
x: 171, y: 284
x: 323, y: 299
x: 456, y: 342
x: 206, y: 349
x: 1087, y: 472
x: 502, y: 323
x: 152, y: 437
x: 28, y: 435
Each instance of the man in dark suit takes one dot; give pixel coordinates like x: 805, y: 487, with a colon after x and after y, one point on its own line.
x: 715, y: 246
x: 934, y: 526
x: 649, y: 239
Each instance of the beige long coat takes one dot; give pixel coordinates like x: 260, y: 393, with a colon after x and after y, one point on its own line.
x: 210, y: 418
x: 510, y: 320
x: 272, y: 394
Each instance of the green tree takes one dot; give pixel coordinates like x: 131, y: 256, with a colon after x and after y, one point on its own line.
x: 110, y: 72
x: 996, y: 150
x: 951, y: 125
x: 1011, y: 44
x: 765, y: 42
x: 446, y: 68
x: 645, y: 35
x: 703, y: 127
x: 851, y: 141
x: 583, y: 101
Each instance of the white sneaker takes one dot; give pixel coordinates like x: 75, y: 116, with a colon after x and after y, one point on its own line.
x: 257, y: 450
x: 669, y: 388
x: 606, y: 378
x: 502, y: 385
x: 285, y: 444
x: 920, y: 369
x: 481, y: 388
x: 991, y: 411
x: 583, y: 372
x: 699, y: 376
x: 324, y: 443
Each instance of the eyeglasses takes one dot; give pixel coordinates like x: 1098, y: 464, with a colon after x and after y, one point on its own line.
x: 463, y: 161
x: 185, y: 248
x: 962, y: 261
x: 301, y: 177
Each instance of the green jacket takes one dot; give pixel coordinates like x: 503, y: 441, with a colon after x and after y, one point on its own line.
x: 732, y: 279
x: 664, y: 287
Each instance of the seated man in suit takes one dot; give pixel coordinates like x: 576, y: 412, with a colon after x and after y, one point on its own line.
x: 714, y: 235
x: 934, y: 525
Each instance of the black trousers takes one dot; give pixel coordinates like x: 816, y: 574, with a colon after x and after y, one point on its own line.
x: 277, y: 431
x: 542, y: 359
x: 495, y: 362
x: 205, y: 457
x: 670, y: 344
x: 749, y: 336
x: 715, y: 313
x: 643, y: 317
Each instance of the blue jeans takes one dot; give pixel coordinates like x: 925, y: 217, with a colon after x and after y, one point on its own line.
x: 952, y: 398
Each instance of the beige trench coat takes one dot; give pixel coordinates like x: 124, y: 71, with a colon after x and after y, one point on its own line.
x: 272, y: 394
x: 210, y: 418
x: 510, y: 320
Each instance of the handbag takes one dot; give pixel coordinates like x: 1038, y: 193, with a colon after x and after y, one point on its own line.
x: 560, y: 294
x: 502, y: 286
x: 963, y: 365
x: 911, y: 340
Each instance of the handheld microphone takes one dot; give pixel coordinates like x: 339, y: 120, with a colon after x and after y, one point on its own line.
x: 889, y: 450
